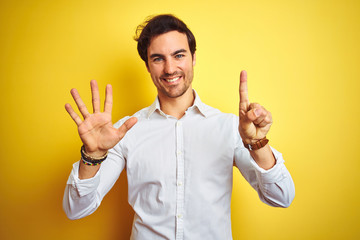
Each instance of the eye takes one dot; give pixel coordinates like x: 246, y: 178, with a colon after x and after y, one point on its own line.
x: 179, y: 56
x: 157, y: 59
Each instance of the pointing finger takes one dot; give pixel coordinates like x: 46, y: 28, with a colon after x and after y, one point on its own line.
x: 243, y: 92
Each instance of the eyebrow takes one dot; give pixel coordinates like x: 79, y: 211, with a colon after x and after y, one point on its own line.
x: 172, y: 54
x: 178, y: 51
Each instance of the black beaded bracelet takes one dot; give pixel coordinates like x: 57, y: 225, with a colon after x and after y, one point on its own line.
x: 88, y: 160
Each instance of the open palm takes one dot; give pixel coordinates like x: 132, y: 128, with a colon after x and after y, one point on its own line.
x: 96, y: 130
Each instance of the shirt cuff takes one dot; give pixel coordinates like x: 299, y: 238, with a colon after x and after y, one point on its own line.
x: 83, y: 186
x: 274, y: 174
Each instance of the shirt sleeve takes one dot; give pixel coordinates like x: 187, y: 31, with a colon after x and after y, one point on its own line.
x: 274, y: 186
x: 83, y: 196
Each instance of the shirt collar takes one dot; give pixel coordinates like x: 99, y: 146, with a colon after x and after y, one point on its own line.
x: 197, y: 103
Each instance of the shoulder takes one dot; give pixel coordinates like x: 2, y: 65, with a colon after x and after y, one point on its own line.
x: 228, y: 120
x: 140, y: 115
x: 211, y: 112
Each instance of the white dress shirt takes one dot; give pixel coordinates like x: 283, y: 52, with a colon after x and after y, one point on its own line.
x: 180, y: 175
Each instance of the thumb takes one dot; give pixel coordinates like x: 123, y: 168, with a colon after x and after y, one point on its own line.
x: 128, y: 124
x: 253, y: 114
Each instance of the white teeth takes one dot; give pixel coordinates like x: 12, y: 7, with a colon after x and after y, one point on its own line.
x: 172, y: 80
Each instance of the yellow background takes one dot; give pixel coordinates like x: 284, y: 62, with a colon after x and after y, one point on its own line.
x: 302, y: 59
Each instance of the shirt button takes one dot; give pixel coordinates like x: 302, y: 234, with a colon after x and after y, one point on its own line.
x: 178, y: 123
x: 179, y: 183
x: 178, y: 153
x: 180, y: 216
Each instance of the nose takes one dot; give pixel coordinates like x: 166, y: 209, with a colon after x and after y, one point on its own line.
x: 169, y: 67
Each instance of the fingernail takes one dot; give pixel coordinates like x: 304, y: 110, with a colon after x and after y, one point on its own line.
x: 257, y: 112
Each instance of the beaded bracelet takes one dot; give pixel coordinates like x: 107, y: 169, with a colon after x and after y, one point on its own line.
x: 89, y: 160
x: 89, y: 164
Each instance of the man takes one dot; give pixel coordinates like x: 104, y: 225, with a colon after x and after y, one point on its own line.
x: 179, y: 154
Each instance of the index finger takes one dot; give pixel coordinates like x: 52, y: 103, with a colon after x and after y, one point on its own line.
x: 243, y: 92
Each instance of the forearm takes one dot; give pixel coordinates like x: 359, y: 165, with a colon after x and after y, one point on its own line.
x: 279, y: 193
x: 264, y: 157
x: 90, y: 162
x: 86, y: 171
x: 83, y: 194
x: 81, y: 197
x: 76, y: 207
x: 275, y: 185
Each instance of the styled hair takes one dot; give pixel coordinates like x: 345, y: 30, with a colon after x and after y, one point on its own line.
x: 157, y: 25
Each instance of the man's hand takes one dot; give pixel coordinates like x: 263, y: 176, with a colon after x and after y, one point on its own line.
x: 96, y: 130
x: 255, y: 120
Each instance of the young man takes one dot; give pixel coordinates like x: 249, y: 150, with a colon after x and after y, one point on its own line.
x: 179, y: 154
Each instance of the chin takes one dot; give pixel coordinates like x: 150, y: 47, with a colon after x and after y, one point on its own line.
x: 176, y: 94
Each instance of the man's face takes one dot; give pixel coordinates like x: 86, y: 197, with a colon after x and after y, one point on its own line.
x: 170, y: 64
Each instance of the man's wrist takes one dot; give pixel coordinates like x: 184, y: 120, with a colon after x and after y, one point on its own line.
x: 255, y: 144
x: 264, y: 157
x: 91, y: 160
x: 94, y: 154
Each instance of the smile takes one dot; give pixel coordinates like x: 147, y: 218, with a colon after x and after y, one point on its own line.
x: 172, y: 79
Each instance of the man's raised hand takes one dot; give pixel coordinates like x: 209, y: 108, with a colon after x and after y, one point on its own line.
x: 96, y: 130
x: 255, y: 120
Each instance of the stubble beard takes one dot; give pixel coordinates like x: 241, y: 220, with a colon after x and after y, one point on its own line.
x: 185, y: 86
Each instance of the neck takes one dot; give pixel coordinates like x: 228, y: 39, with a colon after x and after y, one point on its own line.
x: 176, y: 107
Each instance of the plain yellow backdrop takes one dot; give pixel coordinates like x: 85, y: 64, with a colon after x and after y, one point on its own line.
x: 302, y: 58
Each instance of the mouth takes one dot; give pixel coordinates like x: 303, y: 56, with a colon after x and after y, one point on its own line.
x: 172, y: 80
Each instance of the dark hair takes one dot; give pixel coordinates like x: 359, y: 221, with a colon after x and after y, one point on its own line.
x: 158, y: 25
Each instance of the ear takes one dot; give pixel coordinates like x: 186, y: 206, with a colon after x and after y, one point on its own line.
x: 194, y: 59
